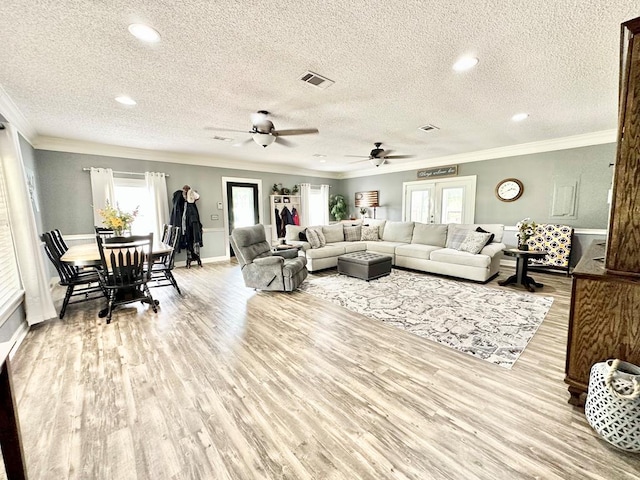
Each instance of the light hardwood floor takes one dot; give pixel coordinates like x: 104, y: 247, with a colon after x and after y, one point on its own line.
x: 229, y: 383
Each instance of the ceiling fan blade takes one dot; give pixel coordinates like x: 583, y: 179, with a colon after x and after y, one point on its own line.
x: 295, y: 131
x: 216, y: 129
x: 398, y: 156
x: 284, y: 142
x: 357, y: 156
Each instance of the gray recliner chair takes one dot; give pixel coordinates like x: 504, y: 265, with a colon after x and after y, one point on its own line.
x: 261, y: 268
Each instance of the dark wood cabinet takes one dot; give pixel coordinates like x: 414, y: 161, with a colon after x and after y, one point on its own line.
x: 605, y: 301
x: 604, y: 321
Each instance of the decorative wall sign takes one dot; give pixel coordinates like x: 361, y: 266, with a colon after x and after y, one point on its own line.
x: 367, y: 199
x: 446, y: 171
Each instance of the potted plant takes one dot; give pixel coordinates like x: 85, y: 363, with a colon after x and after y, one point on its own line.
x: 338, y: 207
x: 526, y: 228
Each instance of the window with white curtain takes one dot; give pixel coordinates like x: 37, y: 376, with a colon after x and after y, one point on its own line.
x: 131, y: 193
x: 10, y: 285
x: 317, y: 207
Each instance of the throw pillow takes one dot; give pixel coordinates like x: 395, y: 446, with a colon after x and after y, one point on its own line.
x: 369, y: 233
x: 474, y: 242
x: 315, y: 237
x: 303, y: 236
x: 352, y: 234
x: 456, y: 236
x: 333, y: 233
x: 482, y: 230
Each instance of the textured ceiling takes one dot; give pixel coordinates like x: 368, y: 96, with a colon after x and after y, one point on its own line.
x: 62, y: 64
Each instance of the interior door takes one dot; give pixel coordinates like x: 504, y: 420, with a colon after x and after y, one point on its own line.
x: 242, y: 206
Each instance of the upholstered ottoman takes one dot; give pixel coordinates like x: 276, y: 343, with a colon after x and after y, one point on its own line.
x: 364, y: 265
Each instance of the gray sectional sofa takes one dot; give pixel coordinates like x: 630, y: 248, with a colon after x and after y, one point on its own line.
x: 433, y: 248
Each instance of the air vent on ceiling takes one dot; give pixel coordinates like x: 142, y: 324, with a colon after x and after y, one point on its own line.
x: 222, y: 139
x: 319, y: 155
x: 316, y: 80
x: 428, y: 127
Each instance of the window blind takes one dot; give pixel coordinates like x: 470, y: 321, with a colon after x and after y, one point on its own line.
x: 10, y: 280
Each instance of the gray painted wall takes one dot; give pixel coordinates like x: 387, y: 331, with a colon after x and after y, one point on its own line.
x: 28, y: 157
x: 66, y: 190
x: 588, y: 165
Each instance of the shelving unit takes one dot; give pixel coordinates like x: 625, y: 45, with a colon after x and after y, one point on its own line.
x: 279, y: 202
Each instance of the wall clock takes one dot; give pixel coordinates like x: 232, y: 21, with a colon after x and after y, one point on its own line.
x: 509, y: 189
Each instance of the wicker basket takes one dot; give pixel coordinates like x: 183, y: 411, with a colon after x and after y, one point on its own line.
x: 613, y: 403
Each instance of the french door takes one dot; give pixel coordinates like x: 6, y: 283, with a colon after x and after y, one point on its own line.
x: 447, y: 200
x: 242, y: 204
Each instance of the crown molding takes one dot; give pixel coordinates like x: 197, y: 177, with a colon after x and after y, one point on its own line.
x: 564, y: 143
x: 10, y: 111
x: 91, y: 148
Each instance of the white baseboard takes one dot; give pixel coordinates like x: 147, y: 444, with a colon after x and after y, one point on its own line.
x: 204, y: 260
x: 18, y: 337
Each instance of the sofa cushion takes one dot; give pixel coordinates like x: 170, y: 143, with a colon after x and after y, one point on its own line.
x: 354, y: 246
x: 369, y: 233
x: 333, y: 233
x: 416, y: 250
x: 383, y: 247
x: 331, y: 250
x: 352, y: 234
x: 397, y: 232
x: 292, y: 232
x: 474, y: 242
x: 430, y: 234
x: 456, y: 257
x: 316, y: 238
x: 374, y: 222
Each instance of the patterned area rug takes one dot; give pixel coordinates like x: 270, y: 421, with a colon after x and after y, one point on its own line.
x: 491, y: 324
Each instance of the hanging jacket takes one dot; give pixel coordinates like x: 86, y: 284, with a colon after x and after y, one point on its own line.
x: 278, y: 222
x: 287, y: 219
x: 177, y: 213
x: 296, y: 218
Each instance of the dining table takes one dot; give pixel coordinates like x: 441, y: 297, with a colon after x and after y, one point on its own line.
x: 88, y: 255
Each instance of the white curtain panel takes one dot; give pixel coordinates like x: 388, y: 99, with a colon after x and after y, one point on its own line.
x: 305, y: 204
x: 102, y: 191
x: 38, y: 302
x: 324, y: 192
x: 157, y: 190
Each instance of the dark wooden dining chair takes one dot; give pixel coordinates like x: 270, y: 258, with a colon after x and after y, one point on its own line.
x: 84, y: 284
x: 104, y: 232
x: 161, y: 274
x: 126, y: 270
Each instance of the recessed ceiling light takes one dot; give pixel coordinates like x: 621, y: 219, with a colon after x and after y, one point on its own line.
x: 144, y: 33
x: 518, y: 117
x: 123, y: 99
x: 465, y: 63
x: 323, y: 161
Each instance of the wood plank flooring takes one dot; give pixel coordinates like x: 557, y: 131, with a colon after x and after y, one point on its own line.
x: 229, y: 383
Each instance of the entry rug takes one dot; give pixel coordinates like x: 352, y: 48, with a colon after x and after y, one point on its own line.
x: 491, y: 324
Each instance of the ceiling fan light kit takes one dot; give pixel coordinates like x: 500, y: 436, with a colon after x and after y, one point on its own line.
x: 263, y: 139
x: 376, y: 162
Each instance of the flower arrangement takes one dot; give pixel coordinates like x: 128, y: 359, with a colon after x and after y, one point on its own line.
x: 526, y: 228
x: 117, y: 220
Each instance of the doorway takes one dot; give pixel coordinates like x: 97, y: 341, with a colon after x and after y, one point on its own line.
x: 446, y: 200
x: 242, y: 204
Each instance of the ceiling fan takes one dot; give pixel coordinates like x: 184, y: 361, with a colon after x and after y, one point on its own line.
x: 264, y: 133
x: 379, y: 156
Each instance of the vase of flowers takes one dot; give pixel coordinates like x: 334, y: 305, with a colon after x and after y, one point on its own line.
x: 116, y: 219
x: 526, y: 228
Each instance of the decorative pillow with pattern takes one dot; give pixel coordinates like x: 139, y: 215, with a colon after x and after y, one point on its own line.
x: 456, y: 236
x: 315, y: 237
x: 352, y: 234
x: 474, y: 242
x: 369, y: 233
x: 482, y: 230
